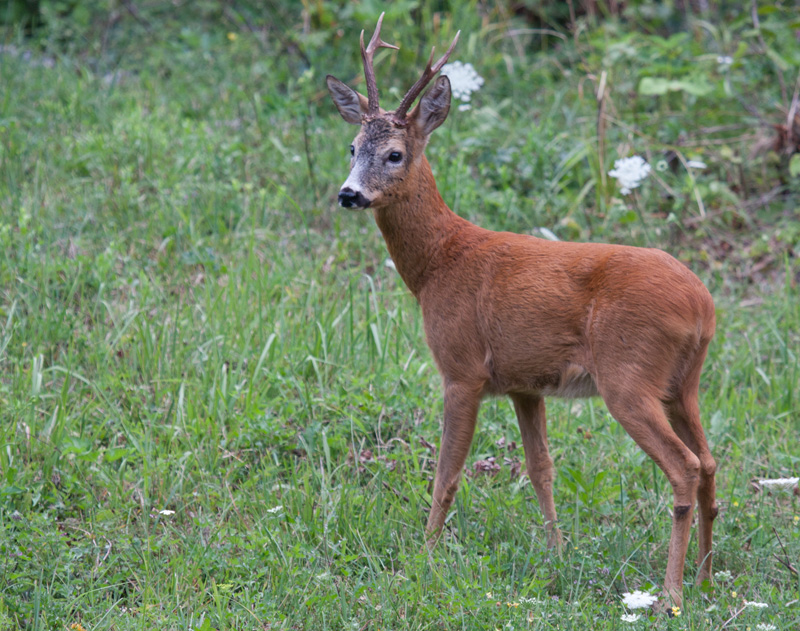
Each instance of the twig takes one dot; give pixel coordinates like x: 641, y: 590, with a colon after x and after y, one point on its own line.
x: 733, y: 617
x: 784, y: 562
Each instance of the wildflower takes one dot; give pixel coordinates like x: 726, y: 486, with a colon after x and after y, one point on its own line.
x: 232, y: 37
x: 76, y: 626
x: 796, y: 519
x: 750, y: 603
x: 696, y: 164
x: 638, y: 600
x: 277, y: 509
x: 630, y: 172
x: 734, y: 594
x: 630, y: 617
x: 166, y: 512
x: 662, y: 166
x: 724, y: 62
x: 765, y: 626
x: 464, y: 80
x: 489, y: 595
x: 515, y: 605
x: 676, y: 611
x: 779, y: 483
x: 464, y: 107
x: 723, y: 575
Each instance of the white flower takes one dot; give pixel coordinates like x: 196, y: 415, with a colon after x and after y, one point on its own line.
x: 779, y: 483
x: 630, y: 617
x: 725, y: 61
x: 166, y: 511
x: 723, y: 575
x: 696, y: 164
x: 638, y: 600
x: 765, y: 626
x: 750, y: 603
x: 630, y: 172
x: 464, y: 80
x: 464, y: 107
x: 277, y: 509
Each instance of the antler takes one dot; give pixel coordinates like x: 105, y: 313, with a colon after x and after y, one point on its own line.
x: 419, y: 86
x: 369, y: 72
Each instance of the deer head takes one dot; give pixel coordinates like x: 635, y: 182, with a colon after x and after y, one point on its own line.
x: 389, y: 145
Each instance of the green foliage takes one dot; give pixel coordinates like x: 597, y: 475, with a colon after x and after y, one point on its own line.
x: 188, y: 323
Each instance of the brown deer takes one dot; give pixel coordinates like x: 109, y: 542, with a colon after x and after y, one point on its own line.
x: 510, y: 314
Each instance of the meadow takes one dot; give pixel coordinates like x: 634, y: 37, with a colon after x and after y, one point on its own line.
x: 217, y: 408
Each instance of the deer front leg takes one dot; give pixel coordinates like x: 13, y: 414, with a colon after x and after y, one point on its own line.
x: 461, y: 404
x: 533, y: 428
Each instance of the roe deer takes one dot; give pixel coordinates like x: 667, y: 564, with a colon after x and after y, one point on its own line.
x: 510, y: 314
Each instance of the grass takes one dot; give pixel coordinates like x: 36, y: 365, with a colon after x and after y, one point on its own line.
x: 188, y: 323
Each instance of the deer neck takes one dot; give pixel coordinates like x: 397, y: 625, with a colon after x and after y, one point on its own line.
x: 419, y: 228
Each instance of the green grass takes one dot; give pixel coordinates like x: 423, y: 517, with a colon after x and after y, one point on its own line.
x: 189, y: 323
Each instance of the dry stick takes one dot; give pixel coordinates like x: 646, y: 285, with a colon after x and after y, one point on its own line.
x: 790, y: 118
x: 784, y: 562
x: 733, y: 617
x: 601, y: 127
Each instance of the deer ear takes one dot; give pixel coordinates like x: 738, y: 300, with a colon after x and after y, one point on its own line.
x: 351, y: 104
x: 433, y: 107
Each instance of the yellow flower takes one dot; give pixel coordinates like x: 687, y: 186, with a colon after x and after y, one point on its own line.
x: 734, y: 594
x: 76, y: 626
x: 676, y: 611
x: 512, y: 604
x: 735, y: 503
x: 796, y: 518
x: 232, y: 36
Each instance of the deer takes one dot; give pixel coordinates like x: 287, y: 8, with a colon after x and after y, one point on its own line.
x: 514, y: 315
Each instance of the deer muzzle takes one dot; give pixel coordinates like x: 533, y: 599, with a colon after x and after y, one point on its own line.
x: 348, y: 198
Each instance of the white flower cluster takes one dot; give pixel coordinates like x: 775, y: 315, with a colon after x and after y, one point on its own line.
x: 638, y: 600
x: 464, y: 80
x: 630, y: 172
x: 630, y: 617
x: 779, y: 483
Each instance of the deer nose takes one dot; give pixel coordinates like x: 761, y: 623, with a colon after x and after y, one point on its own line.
x: 352, y: 199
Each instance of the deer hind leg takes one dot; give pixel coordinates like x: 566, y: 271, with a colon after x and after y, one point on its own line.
x: 461, y: 404
x: 643, y: 417
x: 684, y: 415
x: 533, y: 428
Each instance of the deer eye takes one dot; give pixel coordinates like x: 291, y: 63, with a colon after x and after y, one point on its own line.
x: 395, y: 156
x: 352, y: 150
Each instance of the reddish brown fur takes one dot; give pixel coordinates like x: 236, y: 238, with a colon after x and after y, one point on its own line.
x: 509, y: 314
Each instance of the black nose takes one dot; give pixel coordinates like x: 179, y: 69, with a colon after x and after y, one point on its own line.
x: 352, y: 199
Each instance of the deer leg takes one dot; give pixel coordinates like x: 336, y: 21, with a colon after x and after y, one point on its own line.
x: 461, y: 404
x: 643, y: 417
x: 684, y: 415
x: 533, y: 428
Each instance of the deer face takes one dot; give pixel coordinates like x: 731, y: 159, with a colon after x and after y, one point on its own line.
x: 389, y: 144
x: 386, y: 149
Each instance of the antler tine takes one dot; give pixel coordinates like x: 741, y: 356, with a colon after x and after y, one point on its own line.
x: 367, y: 55
x: 427, y: 75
